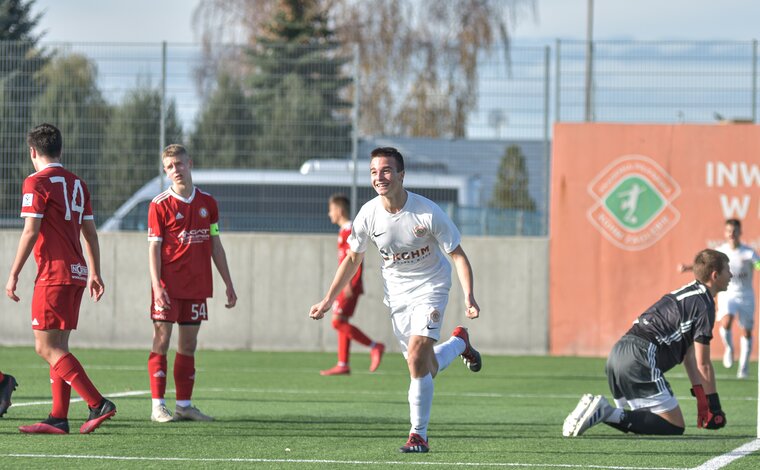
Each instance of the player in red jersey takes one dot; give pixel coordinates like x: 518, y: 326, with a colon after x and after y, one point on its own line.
x: 183, y: 231
x: 344, y: 306
x: 7, y: 386
x: 56, y: 209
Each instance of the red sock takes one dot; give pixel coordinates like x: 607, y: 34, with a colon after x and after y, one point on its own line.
x: 61, y: 395
x: 184, y: 376
x: 352, y: 332
x: 157, y: 371
x: 358, y: 335
x: 344, y: 347
x: 70, y: 370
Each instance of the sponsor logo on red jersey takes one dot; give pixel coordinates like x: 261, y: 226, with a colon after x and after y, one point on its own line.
x: 79, y: 271
x: 199, y: 235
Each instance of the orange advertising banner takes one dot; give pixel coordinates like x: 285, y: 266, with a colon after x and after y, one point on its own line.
x: 628, y: 204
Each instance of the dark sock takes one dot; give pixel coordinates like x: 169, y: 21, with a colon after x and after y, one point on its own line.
x: 646, y: 422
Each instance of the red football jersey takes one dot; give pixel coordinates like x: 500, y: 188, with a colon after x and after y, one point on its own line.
x: 356, y: 283
x: 62, y: 201
x: 183, y: 226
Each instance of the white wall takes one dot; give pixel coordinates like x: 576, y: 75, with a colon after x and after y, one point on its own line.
x: 278, y: 277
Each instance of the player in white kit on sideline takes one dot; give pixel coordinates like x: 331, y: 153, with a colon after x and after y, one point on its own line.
x: 411, y: 233
x: 739, y: 299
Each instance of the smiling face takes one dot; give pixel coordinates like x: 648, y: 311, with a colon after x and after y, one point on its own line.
x: 385, y: 177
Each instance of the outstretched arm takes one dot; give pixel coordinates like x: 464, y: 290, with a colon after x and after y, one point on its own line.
x: 464, y: 272
x: 25, y: 244
x: 220, y: 261
x: 343, y: 275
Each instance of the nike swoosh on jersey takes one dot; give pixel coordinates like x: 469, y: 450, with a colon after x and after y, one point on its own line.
x: 375, y: 235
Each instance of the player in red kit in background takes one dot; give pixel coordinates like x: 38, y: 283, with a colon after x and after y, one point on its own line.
x: 183, y: 231
x: 56, y: 210
x: 344, y: 306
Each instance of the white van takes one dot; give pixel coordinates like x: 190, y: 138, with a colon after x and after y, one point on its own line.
x: 288, y: 200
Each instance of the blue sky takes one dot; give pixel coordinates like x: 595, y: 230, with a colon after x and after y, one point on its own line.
x: 170, y: 20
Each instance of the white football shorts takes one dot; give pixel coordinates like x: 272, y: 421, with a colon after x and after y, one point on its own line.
x: 743, y: 306
x: 420, y: 317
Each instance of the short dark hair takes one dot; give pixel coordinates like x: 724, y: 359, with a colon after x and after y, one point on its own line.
x: 341, y: 200
x: 389, y: 152
x: 708, y: 261
x: 46, y: 139
x: 735, y: 223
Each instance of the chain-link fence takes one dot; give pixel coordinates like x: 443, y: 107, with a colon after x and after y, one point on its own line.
x: 274, y: 131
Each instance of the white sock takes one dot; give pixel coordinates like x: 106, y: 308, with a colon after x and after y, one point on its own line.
x: 448, y: 351
x: 184, y: 403
x: 745, y: 349
x: 158, y: 401
x: 420, y: 402
x: 725, y: 335
x: 615, y: 416
x: 621, y: 403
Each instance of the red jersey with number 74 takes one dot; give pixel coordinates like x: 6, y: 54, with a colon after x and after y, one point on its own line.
x: 184, y: 228
x: 62, y: 201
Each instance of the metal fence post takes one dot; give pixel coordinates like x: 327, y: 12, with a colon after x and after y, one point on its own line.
x: 557, y: 80
x: 754, y: 80
x: 547, y: 84
x: 355, y: 135
x: 162, y: 124
x: 589, y: 99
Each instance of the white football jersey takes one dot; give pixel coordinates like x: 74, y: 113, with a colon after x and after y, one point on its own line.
x: 742, y: 262
x: 411, y: 243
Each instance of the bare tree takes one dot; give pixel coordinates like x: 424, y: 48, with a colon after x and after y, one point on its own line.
x: 419, y: 58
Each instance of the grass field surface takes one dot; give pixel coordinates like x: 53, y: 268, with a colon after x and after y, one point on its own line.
x: 274, y: 410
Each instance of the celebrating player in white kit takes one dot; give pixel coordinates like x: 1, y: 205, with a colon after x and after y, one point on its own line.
x: 739, y: 299
x: 411, y: 234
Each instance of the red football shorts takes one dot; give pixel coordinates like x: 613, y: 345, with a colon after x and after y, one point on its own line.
x: 181, y: 311
x: 56, y: 307
x: 345, y: 306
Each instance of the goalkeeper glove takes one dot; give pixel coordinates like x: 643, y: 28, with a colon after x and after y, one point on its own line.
x: 703, y: 409
x: 716, y: 418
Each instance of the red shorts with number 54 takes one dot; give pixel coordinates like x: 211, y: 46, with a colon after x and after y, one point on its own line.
x: 181, y: 311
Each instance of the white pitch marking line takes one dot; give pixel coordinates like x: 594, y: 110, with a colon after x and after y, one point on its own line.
x: 75, y: 400
x: 327, y: 461
x: 725, y: 459
x: 287, y: 391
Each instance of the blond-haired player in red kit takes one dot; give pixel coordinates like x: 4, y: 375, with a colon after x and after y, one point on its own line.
x: 56, y: 208
x: 183, y: 231
x: 344, y: 306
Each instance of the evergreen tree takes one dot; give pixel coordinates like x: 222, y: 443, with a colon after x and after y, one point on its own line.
x: 132, y: 144
x: 511, y: 189
x: 71, y: 101
x: 296, y: 88
x: 20, y: 61
x: 225, y: 129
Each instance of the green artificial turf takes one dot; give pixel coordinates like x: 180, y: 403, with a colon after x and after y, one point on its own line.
x: 274, y: 410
